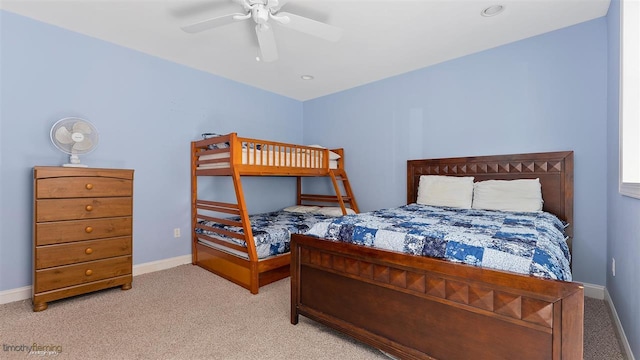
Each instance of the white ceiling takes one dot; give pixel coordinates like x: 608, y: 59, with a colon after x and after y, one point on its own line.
x: 380, y: 38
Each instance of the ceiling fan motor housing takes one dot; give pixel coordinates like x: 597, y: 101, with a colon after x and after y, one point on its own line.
x: 260, y: 14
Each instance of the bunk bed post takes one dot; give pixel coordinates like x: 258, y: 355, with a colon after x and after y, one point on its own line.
x: 235, y: 156
x: 194, y: 196
x: 299, y: 190
x: 254, y: 280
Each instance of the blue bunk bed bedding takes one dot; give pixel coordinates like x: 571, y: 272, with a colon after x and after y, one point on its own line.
x: 271, y: 231
x: 531, y: 243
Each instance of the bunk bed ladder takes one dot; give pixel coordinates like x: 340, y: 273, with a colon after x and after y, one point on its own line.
x: 248, y: 232
x: 341, y: 175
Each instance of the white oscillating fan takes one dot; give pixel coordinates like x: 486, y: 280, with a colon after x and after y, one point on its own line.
x: 74, y: 136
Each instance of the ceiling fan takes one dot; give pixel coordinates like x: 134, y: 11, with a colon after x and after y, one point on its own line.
x: 264, y: 13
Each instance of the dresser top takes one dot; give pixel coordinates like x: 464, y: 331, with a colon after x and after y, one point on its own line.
x: 40, y: 172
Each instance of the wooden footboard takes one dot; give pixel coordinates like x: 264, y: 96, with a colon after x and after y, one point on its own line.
x: 420, y: 308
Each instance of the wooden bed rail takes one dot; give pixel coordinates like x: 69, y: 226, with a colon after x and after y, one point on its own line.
x: 218, y: 206
x: 239, y: 151
x: 205, y: 207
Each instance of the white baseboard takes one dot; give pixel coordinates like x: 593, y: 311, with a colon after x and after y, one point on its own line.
x: 594, y: 291
x: 601, y: 293
x: 24, y: 293
x: 161, y: 265
x: 626, y: 348
x: 12, y: 295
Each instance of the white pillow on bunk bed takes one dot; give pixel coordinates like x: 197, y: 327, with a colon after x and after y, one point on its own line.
x: 508, y: 195
x: 333, y: 211
x: 451, y: 191
x: 301, y: 209
x: 332, y: 155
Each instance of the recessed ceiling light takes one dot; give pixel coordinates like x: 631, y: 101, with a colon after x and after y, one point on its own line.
x: 492, y: 10
x: 306, y: 77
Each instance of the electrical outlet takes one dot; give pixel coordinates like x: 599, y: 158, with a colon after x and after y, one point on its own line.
x: 613, y: 266
x: 176, y: 232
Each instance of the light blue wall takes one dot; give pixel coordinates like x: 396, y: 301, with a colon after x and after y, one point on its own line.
x: 546, y: 93
x: 623, y: 212
x: 147, y: 111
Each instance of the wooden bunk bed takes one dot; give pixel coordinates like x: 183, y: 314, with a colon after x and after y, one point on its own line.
x: 416, y: 307
x: 233, y: 156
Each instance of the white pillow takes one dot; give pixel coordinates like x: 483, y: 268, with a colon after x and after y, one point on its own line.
x: 333, y: 211
x: 301, y: 208
x: 332, y: 155
x: 508, y: 195
x: 451, y: 191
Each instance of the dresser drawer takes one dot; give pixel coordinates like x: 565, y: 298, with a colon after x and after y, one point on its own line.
x: 75, y: 230
x: 88, y: 186
x: 85, y: 208
x: 69, y: 275
x: 71, y: 253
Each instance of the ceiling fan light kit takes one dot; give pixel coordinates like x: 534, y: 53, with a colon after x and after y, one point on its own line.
x: 264, y: 13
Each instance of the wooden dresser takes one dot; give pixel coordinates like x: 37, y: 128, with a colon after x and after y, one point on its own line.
x: 82, y: 231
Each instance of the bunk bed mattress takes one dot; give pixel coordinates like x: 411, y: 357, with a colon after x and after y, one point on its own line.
x: 530, y: 243
x: 271, y: 231
x: 267, y: 158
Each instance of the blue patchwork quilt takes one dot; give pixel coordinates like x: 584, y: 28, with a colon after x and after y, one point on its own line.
x: 271, y: 231
x: 523, y: 242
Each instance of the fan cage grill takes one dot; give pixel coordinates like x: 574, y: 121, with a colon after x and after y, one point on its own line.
x: 74, y: 136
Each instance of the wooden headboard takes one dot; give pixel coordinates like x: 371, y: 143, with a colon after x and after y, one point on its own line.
x: 554, y: 169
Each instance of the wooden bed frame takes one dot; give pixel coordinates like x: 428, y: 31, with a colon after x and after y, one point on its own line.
x: 420, y: 308
x: 253, y: 157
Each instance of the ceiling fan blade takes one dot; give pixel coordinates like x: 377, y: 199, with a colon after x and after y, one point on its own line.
x: 211, y: 23
x: 276, y: 5
x: 267, y: 42
x: 311, y: 27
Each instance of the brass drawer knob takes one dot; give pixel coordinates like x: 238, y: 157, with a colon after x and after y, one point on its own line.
x: 89, y: 186
x: 88, y: 251
x: 88, y: 208
x: 88, y: 272
x: 88, y: 229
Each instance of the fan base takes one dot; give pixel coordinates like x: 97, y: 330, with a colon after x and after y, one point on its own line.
x: 75, y: 165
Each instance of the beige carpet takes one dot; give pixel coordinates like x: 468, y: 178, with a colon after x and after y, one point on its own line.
x: 189, y: 313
